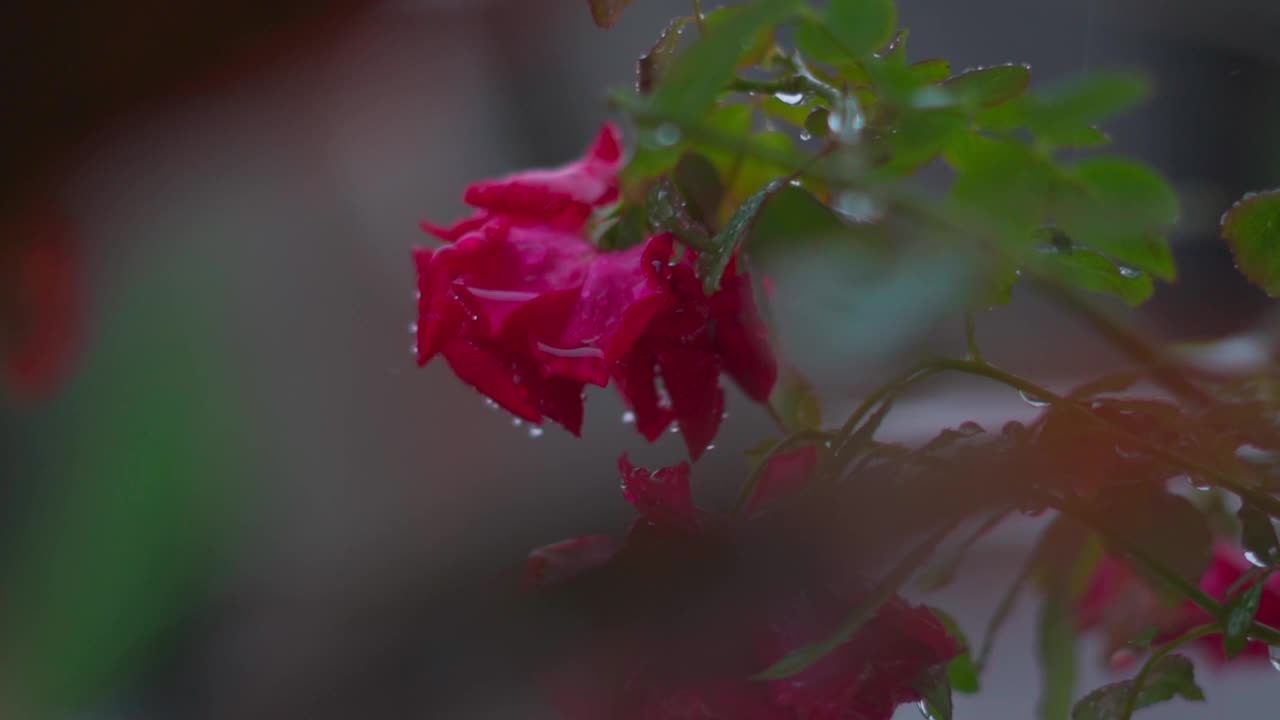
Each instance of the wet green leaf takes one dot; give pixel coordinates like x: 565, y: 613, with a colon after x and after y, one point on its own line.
x: 1123, y: 210
x: 1257, y: 534
x: 1170, y: 676
x: 653, y: 64
x: 1240, y: 612
x: 1062, y: 111
x: 1252, y: 228
x: 920, y: 137
x: 935, y: 692
x: 989, y: 86
x: 696, y: 77
x: 711, y: 265
x: 1085, y: 269
x: 1002, y: 184
x: 861, y: 26
x: 700, y: 184
x: 961, y: 672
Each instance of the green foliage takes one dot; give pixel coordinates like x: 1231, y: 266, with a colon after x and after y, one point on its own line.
x: 859, y: 27
x: 1170, y: 676
x: 1252, y: 228
x: 1240, y: 612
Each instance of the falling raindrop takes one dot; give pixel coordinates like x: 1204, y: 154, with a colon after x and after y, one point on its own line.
x: 1033, y: 400
x: 628, y: 417
x: 790, y: 98
x: 535, y: 432
x: 667, y: 134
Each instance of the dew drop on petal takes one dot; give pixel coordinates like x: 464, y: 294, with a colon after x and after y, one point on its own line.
x: 628, y: 417
x: 535, y: 432
x: 1032, y: 400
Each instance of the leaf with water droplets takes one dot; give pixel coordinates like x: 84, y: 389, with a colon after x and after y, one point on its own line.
x: 1240, y: 612
x: 698, y: 75
x: 712, y: 264
x: 1122, y: 209
x: 1257, y: 534
x: 1085, y: 269
x: 989, y: 86
x: 1168, y: 677
x: 654, y: 63
x: 961, y: 672
x: 935, y: 693
x: 1252, y: 228
x: 1000, y: 183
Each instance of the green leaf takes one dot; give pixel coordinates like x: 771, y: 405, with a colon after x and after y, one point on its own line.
x: 667, y: 212
x: 1240, y: 612
x: 989, y: 86
x: 1252, y: 228
x: 1082, y: 137
x: 1143, y: 640
x: 653, y: 64
x: 698, y: 75
x: 755, y: 50
x: 791, y: 113
x: 1257, y: 534
x: 629, y: 228
x: 605, y: 12
x: 932, y: 70
x: 935, y: 692
x: 700, y: 184
x: 1122, y: 209
x: 920, y: 136
x: 795, y: 403
x: 815, y: 40
x: 1087, y: 270
x: 648, y: 162
x: 962, y: 673
x: 861, y: 26
x: 1169, y: 677
x: 1084, y: 102
x: 1056, y: 649
x: 1002, y: 184
x: 711, y: 265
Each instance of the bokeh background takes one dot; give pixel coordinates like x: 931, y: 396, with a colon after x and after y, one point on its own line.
x: 246, y: 501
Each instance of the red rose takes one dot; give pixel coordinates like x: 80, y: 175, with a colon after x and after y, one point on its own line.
x: 1123, y: 604
x: 631, y: 670
x: 527, y: 310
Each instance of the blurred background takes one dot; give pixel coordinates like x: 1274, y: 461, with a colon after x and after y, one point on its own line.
x: 246, y: 502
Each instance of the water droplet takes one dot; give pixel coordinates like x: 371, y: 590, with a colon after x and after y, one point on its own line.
x: 413, y: 328
x: 516, y: 422
x: 724, y: 415
x: 969, y: 427
x: 857, y: 206
x: 1274, y: 654
x: 1033, y: 400
x: 931, y: 97
x: 675, y: 429
x: 413, y: 348
x: 628, y: 417
x: 1128, y: 272
x: 535, y: 432
x: 712, y: 446
x: 667, y: 134
x: 925, y: 710
x: 806, y: 135
x: 790, y: 98
x: 1198, y: 484
x: 1254, y: 560
x: 489, y: 403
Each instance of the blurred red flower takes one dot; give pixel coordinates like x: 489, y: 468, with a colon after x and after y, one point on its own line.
x: 527, y: 310
x: 39, y: 304
x: 631, y: 669
x: 1123, y: 604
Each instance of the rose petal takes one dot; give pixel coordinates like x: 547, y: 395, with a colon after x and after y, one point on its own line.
x: 661, y: 497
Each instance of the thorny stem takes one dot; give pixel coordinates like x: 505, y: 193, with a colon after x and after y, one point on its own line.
x: 1264, y: 501
x: 1131, y: 701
